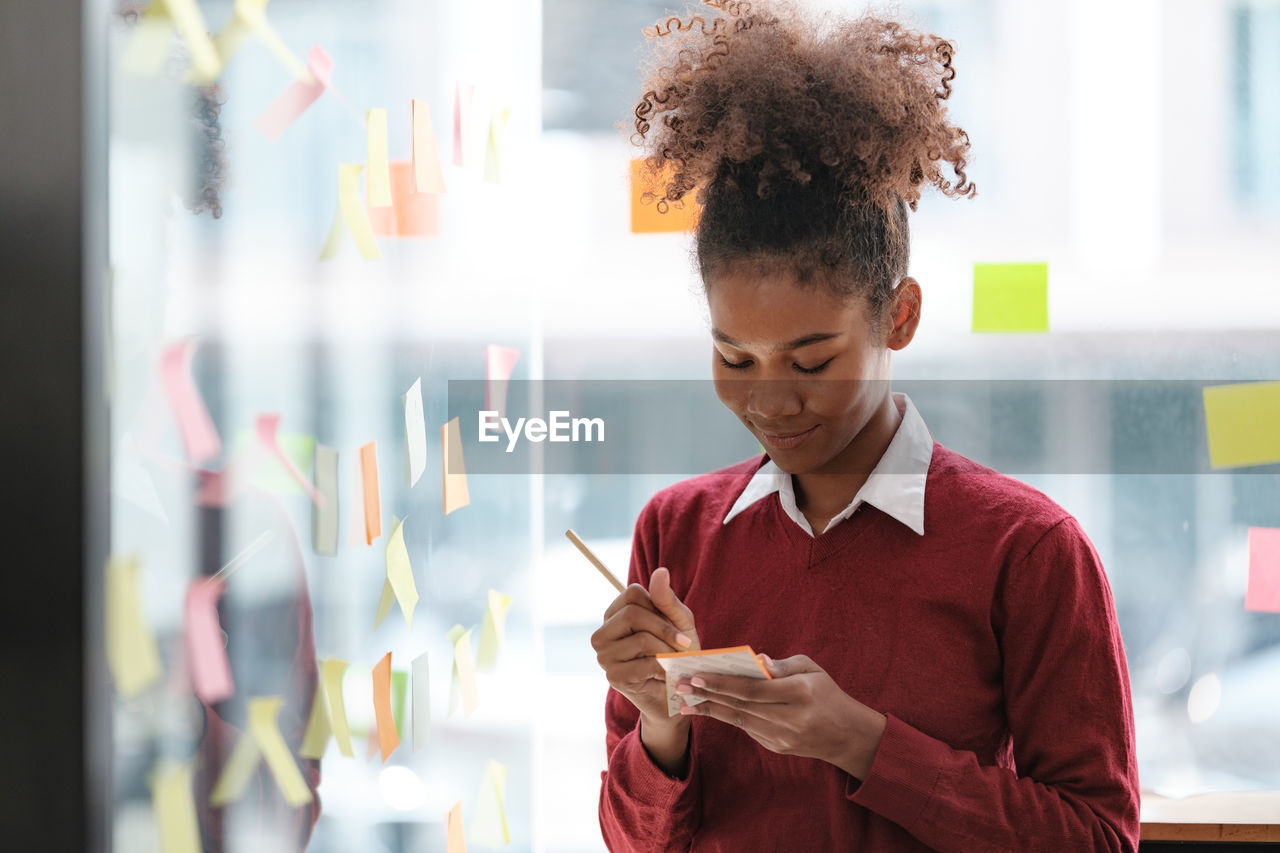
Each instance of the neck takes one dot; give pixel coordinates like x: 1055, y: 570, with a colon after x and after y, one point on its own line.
x: 829, y: 490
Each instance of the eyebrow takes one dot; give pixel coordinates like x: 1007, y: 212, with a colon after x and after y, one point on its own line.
x: 803, y: 341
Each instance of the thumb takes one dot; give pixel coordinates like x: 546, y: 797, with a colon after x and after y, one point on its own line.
x: 664, y: 598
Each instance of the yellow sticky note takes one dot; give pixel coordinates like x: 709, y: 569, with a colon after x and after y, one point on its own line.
x: 1011, y: 297
x: 237, y: 772
x: 318, y: 732
x: 427, y: 176
x: 492, y: 160
x: 1243, y: 423
x: 131, y: 648
x: 252, y: 15
x: 350, y: 216
x: 379, y: 175
x: 187, y: 20
x: 148, y: 46
x: 646, y: 218
x: 262, y: 740
x: 491, y: 632
x: 400, y: 572
x: 262, y: 724
x: 457, y: 840
x: 385, y: 601
x: 331, y: 672
x: 464, y: 674
x: 175, y: 808
x: 489, y: 822
x: 456, y: 494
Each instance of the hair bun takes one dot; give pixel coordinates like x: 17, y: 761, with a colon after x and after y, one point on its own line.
x: 765, y: 96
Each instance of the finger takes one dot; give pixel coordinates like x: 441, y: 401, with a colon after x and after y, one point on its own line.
x: 793, y: 665
x: 633, y: 619
x: 740, y: 687
x: 631, y: 647
x: 635, y: 594
x: 739, y: 716
x: 664, y: 598
x: 633, y: 674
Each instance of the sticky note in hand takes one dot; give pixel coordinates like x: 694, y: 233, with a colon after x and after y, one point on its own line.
x: 737, y: 660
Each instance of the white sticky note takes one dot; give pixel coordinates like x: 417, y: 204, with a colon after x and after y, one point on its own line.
x: 415, y: 431
x: 420, y: 676
x: 324, y: 514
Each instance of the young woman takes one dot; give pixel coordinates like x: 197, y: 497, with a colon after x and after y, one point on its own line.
x: 948, y: 672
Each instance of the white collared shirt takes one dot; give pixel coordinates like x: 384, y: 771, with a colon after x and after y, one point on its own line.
x: 895, y: 485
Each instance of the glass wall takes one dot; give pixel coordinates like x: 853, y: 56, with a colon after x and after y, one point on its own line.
x: 1131, y: 157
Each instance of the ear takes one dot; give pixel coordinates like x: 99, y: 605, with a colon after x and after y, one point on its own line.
x: 904, y: 313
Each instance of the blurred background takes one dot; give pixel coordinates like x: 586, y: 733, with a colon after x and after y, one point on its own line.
x: 1133, y: 146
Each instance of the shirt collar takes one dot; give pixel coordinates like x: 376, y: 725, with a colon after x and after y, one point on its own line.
x: 895, y: 486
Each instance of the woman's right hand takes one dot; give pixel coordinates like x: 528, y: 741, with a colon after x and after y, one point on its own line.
x: 639, y: 624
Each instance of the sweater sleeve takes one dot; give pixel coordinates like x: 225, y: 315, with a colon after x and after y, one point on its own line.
x: 641, y: 807
x: 1070, y: 718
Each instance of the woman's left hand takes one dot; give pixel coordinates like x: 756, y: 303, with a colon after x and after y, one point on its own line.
x: 800, y: 711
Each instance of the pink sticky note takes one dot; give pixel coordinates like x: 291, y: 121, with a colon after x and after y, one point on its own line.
x: 267, y: 428
x: 498, y: 364
x: 206, y: 652
x: 220, y: 488
x: 294, y: 101
x: 462, y: 96
x: 1263, y: 592
x: 199, y: 436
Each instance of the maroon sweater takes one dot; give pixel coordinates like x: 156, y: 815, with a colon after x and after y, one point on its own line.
x: 990, y: 643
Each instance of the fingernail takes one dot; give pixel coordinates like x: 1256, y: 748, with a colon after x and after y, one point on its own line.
x: 696, y: 681
x: 683, y: 641
x: 683, y: 688
x: 686, y: 710
x: 768, y: 660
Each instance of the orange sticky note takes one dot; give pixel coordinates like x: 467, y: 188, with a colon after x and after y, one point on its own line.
x: 456, y: 494
x: 1263, y: 591
x: 411, y: 213
x: 645, y: 218
x: 426, y: 158
x: 388, y: 737
x: 206, y: 652
x: 199, y: 437
x: 372, y: 503
x: 457, y: 839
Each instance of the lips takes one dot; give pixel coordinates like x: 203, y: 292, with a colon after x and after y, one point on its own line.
x: 786, y: 440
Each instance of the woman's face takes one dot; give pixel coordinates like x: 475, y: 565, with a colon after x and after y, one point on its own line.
x: 799, y: 366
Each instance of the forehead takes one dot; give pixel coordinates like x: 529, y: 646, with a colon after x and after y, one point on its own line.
x: 772, y: 311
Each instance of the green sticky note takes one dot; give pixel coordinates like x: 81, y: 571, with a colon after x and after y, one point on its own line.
x: 1010, y: 297
x: 271, y: 476
x: 1243, y: 423
x: 399, y: 686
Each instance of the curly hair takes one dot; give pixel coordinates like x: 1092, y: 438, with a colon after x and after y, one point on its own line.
x: 806, y: 137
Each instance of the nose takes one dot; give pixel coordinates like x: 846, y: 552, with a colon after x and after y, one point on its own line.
x: 772, y: 400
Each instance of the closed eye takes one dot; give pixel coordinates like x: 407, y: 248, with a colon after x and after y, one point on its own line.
x: 818, y: 369
x: 742, y: 365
